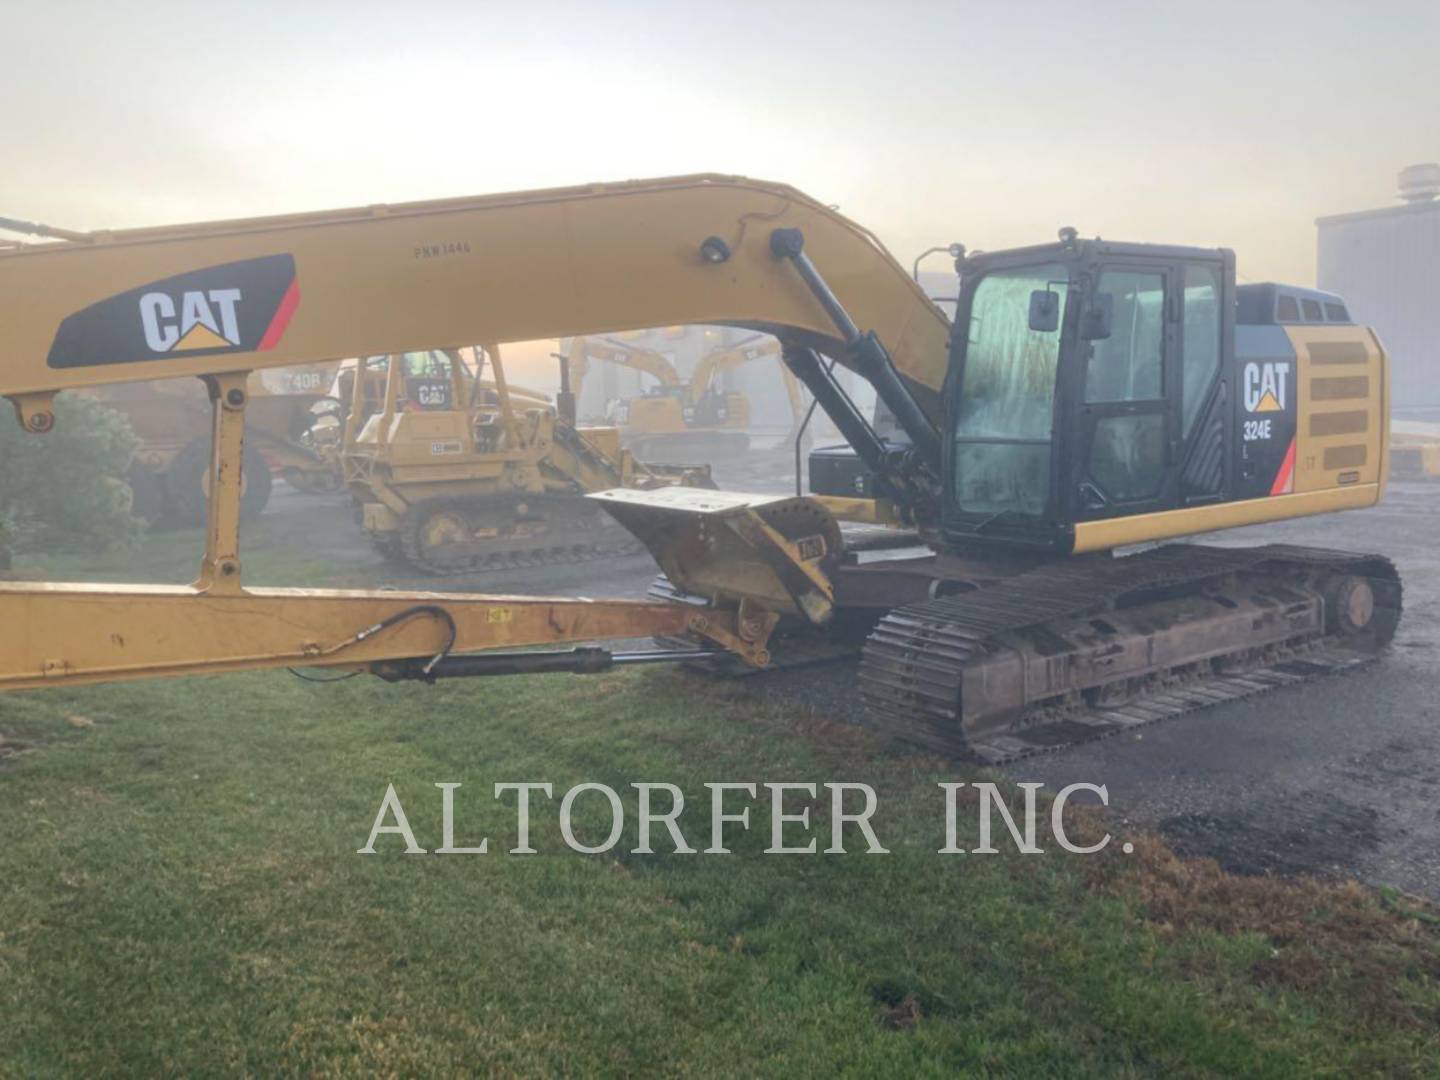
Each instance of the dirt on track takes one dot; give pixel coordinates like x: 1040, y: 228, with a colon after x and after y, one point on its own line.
x: 1339, y: 776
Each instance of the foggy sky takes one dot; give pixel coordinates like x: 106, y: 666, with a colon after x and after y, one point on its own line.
x: 1209, y: 123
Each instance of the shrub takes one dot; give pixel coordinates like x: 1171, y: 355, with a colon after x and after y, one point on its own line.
x: 66, y: 489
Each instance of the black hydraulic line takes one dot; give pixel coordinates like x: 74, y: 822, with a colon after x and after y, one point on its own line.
x: 584, y: 660
x: 866, y: 352
x: 422, y: 668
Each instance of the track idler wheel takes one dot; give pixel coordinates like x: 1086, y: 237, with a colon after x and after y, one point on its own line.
x: 1350, y: 603
x: 1360, y: 611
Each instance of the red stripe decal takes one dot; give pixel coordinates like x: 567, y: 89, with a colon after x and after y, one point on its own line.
x: 1285, y: 478
x: 276, y: 330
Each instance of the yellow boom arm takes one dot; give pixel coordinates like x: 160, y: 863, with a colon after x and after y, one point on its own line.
x: 274, y: 292
x: 220, y: 300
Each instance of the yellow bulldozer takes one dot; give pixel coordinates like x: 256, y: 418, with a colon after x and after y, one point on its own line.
x: 1090, y: 401
x: 453, y: 473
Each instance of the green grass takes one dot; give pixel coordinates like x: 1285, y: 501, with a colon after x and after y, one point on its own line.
x: 172, y: 557
x: 182, y: 894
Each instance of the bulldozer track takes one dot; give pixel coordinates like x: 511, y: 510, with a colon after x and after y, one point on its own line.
x: 914, y: 663
x: 602, y: 539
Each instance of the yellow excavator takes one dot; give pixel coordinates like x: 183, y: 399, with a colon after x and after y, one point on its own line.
x: 714, y: 421
x: 455, y: 473
x: 577, y: 353
x: 1090, y: 398
x: 690, y: 420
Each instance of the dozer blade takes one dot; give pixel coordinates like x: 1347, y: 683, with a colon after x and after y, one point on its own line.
x: 728, y: 547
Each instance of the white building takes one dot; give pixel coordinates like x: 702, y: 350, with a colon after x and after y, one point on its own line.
x: 1386, y: 265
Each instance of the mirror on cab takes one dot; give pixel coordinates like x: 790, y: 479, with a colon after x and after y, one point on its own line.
x: 1095, y: 322
x: 1044, y: 311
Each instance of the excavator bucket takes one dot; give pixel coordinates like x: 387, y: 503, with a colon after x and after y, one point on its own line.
x: 727, y: 547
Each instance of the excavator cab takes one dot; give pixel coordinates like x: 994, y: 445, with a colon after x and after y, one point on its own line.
x: 1104, y: 394
x: 1090, y: 384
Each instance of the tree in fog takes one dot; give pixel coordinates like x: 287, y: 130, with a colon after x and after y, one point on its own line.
x: 66, y: 489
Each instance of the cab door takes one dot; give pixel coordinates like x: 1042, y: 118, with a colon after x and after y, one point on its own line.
x: 1125, y: 394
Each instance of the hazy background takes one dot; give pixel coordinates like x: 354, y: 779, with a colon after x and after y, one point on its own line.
x: 1206, y: 123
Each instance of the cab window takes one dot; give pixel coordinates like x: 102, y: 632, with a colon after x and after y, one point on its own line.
x: 428, y: 363
x: 1127, y: 452
x: 1200, y: 354
x: 1127, y: 365
x: 1005, y: 409
x: 427, y: 381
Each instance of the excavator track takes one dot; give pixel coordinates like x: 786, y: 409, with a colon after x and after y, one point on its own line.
x: 451, y: 536
x: 1097, y: 645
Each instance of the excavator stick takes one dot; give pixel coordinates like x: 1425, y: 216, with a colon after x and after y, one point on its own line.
x: 70, y: 633
x: 54, y: 633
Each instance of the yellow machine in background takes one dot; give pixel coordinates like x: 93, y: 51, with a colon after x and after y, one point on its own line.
x: 294, y: 433
x: 728, y: 413
x: 577, y: 353
x: 431, y: 371
x: 453, y: 473
x: 1089, y: 396
x: 1414, y: 450
x: 694, y: 419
